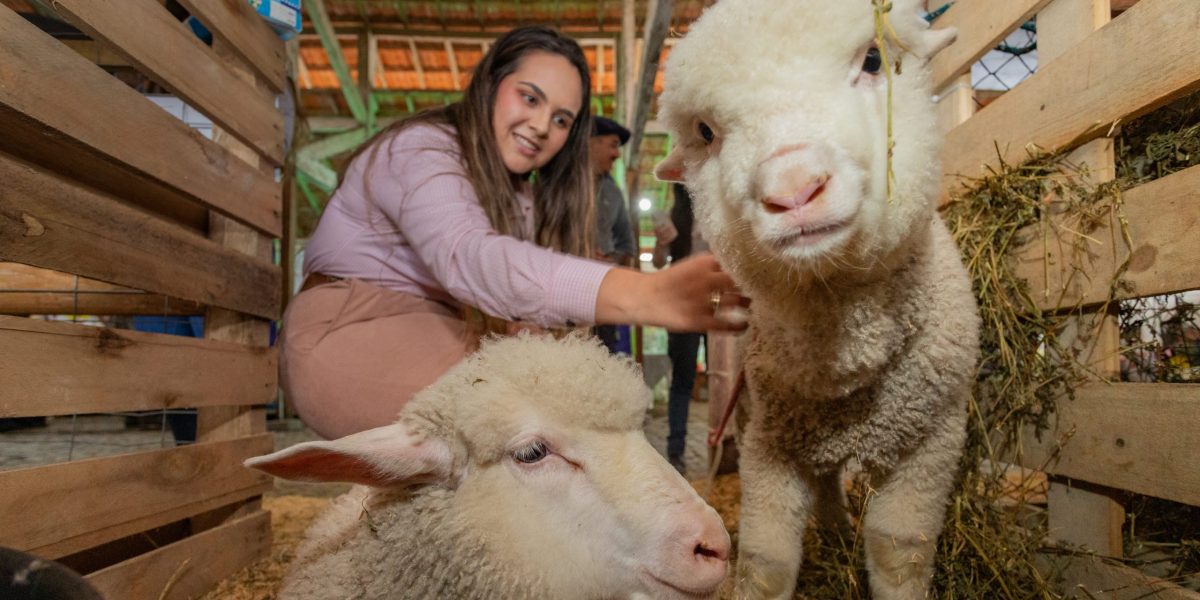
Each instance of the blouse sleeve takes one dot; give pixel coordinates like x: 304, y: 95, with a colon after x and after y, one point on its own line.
x: 423, y: 188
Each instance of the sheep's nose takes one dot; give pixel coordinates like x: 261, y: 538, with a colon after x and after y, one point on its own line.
x: 700, y: 552
x: 801, y: 188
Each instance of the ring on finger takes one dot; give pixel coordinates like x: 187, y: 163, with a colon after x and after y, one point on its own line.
x: 715, y: 300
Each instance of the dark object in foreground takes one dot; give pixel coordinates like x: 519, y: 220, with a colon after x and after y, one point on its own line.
x: 26, y: 577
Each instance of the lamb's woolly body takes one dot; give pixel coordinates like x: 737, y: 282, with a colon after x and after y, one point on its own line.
x: 493, y: 529
x: 863, y: 350
x: 863, y: 370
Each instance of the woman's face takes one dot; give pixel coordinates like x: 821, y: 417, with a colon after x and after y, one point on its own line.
x: 535, y: 107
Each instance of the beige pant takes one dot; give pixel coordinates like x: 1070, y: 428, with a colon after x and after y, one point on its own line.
x: 353, y: 354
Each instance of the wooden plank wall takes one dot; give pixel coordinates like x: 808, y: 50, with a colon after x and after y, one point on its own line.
x: 111, y: 206
x: 1094, y: 72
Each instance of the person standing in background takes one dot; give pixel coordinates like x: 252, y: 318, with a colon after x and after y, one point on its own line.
x: 614, y: 236
x: 677, y: 239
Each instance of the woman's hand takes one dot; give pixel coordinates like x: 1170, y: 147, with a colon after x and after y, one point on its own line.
x: 679, y: 298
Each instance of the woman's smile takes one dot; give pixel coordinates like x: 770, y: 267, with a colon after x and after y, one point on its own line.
x: 536, y: 105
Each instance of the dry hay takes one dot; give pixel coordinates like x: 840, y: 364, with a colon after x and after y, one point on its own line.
x: 290, y: 517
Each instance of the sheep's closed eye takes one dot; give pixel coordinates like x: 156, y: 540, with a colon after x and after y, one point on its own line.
x: 706, y: 132
x: 532, y: 453
x: 873, y: 62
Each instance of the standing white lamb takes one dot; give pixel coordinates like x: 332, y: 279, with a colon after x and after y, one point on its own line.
x: 523, y: 472
x: 864, y: 327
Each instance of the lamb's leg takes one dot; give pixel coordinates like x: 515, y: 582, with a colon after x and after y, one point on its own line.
x: 776, y: 502
x: 904, y: 519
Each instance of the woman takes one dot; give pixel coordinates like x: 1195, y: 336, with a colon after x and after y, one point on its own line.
x: 475, y: 206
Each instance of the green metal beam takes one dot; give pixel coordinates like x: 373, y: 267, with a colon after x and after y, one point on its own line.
x: 320, y: 20
x: 305, y: 185
x: 318, y: 172
x: 334, y: 145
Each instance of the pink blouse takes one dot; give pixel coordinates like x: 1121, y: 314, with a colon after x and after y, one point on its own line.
x: 417, y: 227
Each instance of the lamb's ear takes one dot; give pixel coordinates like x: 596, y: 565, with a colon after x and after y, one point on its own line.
x: 936, y: 40
x: 911, y: 26
x: 671, y: 168
x: 383, y: 457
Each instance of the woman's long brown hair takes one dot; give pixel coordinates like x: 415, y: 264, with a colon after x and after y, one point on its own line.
x: 562, y: 187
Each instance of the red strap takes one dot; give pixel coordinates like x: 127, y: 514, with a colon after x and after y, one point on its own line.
x: 714, y: 437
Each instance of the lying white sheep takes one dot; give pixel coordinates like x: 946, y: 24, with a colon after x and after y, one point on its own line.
x: 521, y: 473
x: 864, y: 327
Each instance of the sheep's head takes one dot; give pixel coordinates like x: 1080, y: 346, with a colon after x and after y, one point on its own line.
x: 539, y: 444
x: 779, y: 113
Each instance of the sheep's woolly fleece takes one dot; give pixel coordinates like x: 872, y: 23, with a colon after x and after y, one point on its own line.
x: 594, y: 391
x: 377, y: 543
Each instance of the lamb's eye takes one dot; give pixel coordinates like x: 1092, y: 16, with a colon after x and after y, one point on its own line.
x: 873, y: 62
x: 531, y: 453
x: 706, y: 132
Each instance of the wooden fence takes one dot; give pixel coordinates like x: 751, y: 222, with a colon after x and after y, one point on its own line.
x: 111, y: 206
x: 1094, y: 73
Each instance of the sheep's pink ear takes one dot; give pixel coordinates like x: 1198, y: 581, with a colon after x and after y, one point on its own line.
x: 382, y: 457
x: 671, y: 168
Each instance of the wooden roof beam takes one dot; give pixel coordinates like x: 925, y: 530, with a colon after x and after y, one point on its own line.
x: 658, y: 22
x: 416, y: 59
x: 453, y: 60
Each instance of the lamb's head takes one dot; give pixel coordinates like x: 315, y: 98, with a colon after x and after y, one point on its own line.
x: 538, y: 446
x: 779, y: 114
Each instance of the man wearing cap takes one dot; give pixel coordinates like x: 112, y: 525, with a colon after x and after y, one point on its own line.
x: 614, y: 236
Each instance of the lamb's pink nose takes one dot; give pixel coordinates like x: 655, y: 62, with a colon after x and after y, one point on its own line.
x: 806, y: 188
x: 697, y: 556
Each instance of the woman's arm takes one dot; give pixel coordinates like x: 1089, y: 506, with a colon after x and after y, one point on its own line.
x: 438, y: 215
x: 679, y: 298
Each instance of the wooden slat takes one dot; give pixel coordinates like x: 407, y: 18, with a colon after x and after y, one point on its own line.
x: 1082, y: 515
x: 981, y: 25
x: 167, y: 51
x: 95, y: 303
x: 52, y: 223
x: 97, y: 52
x: 53, y: 368
x: 1142, y: 60
x: 1084, y: 578
x: 190, y: 567
x: 46, y: 510
x: 1164, y: 222
x: 1123, y: 5
x: 245, y: 32
x: 59, y: 103
x: 30, y: 290
x: 16, y: 276
x: 1140, y: 437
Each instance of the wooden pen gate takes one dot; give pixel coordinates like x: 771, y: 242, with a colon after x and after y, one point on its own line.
x: 1092, y: 76
x: 108, y: 206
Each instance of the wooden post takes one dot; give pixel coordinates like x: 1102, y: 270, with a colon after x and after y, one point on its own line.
x: 1079, y: 514
x: 955, y: 103
x: 227, y: 423
x: 231, y: 422
x: 627, y: 59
